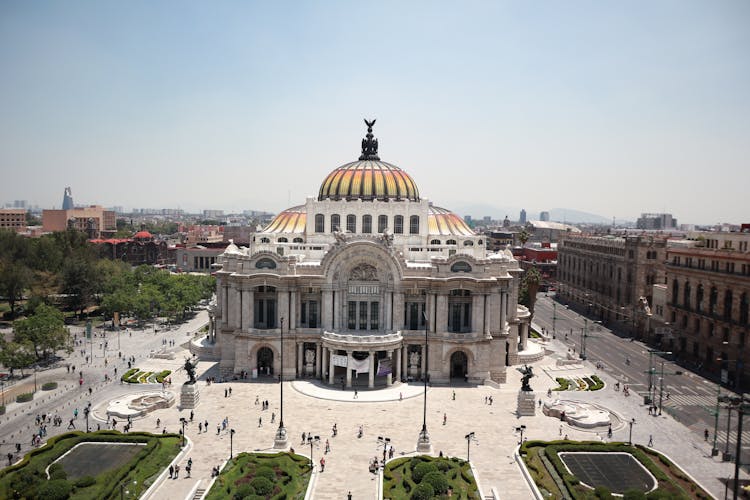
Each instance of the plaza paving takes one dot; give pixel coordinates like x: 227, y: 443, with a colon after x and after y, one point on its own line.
x: 396, y: 413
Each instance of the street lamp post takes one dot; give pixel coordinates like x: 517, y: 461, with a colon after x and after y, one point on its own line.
x: 86, y: 412
x: 727, y: 457
x: 630, y: 436
x: 423, y: 442
x: 469, y: 437
x: 714, y: 449
x: 183, y: 422
x: 231, y: 437
x: 584, y: 334
x: 312, y: 441
x: 554, y: 318
x: 521, y: 429
x: 281, y: 436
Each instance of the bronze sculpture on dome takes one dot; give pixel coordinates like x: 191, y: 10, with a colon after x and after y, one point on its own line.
x: 369, y: 143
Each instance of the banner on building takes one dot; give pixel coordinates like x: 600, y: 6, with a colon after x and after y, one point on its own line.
x: 339, y: 360
x: 384, y: 367
x: 361, y: 365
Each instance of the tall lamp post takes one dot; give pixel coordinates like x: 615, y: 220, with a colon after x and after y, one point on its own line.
x: 584, y: 334
x: 469, y: 438
x: 86, y: 412
x: 554, y: 318
x: 281, y: 436
x: 231, y: 437
x: 630, y: 436
x: 521, y: 429
x: 423, y: 442
x: 312, y: 441
x: 183, y: 422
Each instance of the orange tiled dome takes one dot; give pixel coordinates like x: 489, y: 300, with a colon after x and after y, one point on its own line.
x: 368, y: 180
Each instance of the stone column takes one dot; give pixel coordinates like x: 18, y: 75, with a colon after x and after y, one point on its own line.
x: 398, y: 364
x: 247, y: 310
x: 331, y: 368
x: 327, y: 307
x: 250, y: 309
x: 224, y: 301
x: 336, y: 301
x: 405, y: 361
x: 398, y: 311
x: 389, y: 379
x: 300, y: 359
x: 441, y: 314
x: 232, y: 306
x: 282, y: 299
x: 477, y: 319
x: 318, y: 357
x: 486, y: 314
x: 348, y: 368
x: 294, y: 307
x: 524, y: 335
x: 371, y: 380
x: 503, y: 310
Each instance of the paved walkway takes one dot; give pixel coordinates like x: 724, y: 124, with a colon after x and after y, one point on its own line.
x: 396, y: 413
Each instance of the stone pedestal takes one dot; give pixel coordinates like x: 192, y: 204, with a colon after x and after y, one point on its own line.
x: 281, y: 441
x: 189, y: 396
x: 526, y: 404
x: 423, y: 442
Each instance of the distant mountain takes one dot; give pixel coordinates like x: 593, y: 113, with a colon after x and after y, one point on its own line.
x: 479, y: 210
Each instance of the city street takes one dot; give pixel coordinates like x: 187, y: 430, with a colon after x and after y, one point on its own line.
x: 18, y: 425
x: 689, y: 398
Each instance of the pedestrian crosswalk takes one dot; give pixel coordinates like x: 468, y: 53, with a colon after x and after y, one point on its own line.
x: 689, y: 400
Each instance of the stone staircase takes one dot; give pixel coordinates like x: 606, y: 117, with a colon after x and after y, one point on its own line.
x: 199, y: 493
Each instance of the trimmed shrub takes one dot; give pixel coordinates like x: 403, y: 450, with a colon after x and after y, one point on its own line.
x: 2, y: 410
x: 48, y: 386
x: 57, y: 489
x: 262, y: 486
x: 423, y: 492
x: 244, y: 491
x: 85, y: 482
x: 162, y: 375
x: 602, y: 492
x: 56, y: 471
x: 266, y: 472
x: 421, y: 469
x: 437, y: 480
x: 25, y: 397
x: 633, y: 494
x: 564, y: 384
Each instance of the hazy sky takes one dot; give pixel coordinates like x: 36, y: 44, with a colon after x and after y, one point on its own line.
x: 614, y: 108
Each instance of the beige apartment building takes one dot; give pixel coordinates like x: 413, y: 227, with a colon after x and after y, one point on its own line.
x: 612, y: 277
x: 707, y: 306
x: 93, y: 220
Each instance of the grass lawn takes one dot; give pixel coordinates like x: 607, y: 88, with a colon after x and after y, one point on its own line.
x: 672, y: 482
x: 29, y: 480
x: 270, y: 476
x: 425, y: 477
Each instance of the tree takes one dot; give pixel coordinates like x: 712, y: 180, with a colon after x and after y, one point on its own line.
x: 16, y: 355
x: 80, y: 283
x: 45, y: 331
x: 523, y: 237
x: 15, y: 277
x: 529, y: 288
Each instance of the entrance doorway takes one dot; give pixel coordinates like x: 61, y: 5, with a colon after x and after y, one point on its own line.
x: 265, y: 361
x: 459, y: 365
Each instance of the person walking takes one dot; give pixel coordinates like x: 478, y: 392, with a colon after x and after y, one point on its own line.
x: 445, y: 418
x: 171, y: 471
x: 650, y: 440
x: 322, y: 464
x: 705, y: 435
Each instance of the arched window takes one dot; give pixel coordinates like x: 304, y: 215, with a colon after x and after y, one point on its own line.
x: 459, y: 311
x: 264, y: 310
x: 480, y: 242
x: 434, y: 242
x: 699, y: 297
x: 335, y: 222
x: 382, y: 223
x: 414, y: 224
x: 367, y: 224
x: 713, y: 298
x: 398, y: 224
x: 450, y: 242
x: 686, y: 295
x: 282, y: 240
x: 297, y: 240
x: 319, y: 223
x: 265, y: 263
x: 743, y: 309
x: 351, y: 223
x: 675, y: 292
x: 461, y: 267
x: 265, y: 240
x: 728, y: 305
x: 468, y: 243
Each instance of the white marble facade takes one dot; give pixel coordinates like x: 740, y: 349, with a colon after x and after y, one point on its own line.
x: 356, y: 302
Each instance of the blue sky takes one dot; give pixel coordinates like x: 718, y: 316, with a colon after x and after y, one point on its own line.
x: 614, y: 108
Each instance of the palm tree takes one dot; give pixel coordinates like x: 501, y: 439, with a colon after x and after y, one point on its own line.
x: 531, y: 280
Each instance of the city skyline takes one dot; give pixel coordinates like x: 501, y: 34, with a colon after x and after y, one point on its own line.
x: 604, y: 108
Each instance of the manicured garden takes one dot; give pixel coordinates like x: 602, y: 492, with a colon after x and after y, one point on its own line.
x: 137, y: 376
x: 552, y: 477
x: 28, y: 479
x: 262, y: 476
x: 424, y: 477
x: 592, y: 383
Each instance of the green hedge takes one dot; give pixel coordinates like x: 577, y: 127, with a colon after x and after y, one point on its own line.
x: 126, y: 376
x: 563, y: 384
x: 162, y: 375
x: 2, y: 410
x: 598, y: 384
x: 48, y: 386
x: 25, y: 397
